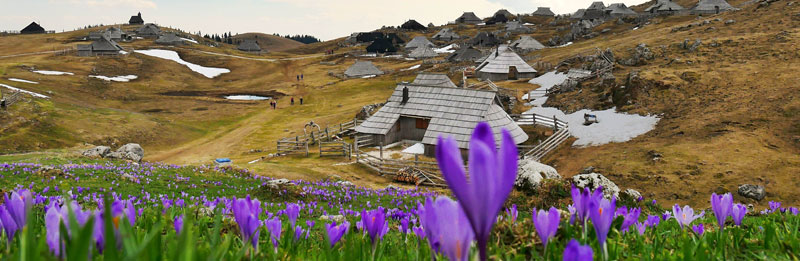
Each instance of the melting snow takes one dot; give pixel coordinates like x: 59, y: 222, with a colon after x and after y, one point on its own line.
x: 413, y: 67
x: 53, y: 72
x: 612, y: 126
x: 125, y: 78
x: 123, y: 52
x: 368, y: 76
x: 247, y: 97
x: 189, y: 40
x: 28, y: 92
x: 446, y: 49
x: 208, y: 72
x: 21, y: 80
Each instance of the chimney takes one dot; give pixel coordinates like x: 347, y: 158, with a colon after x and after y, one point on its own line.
x: 405, y: 95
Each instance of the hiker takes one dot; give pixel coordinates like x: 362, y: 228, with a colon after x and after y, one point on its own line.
x: 298, y: 77
x: 301, y: 100
x: 292, y: 101
x: 301, y: 76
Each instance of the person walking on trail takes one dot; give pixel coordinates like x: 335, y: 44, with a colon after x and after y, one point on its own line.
x: 301, y: 100
x: 298, y: 77
x: 292, y: 101
x: 301, y: 76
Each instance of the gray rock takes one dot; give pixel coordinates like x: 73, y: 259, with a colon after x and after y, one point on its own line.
x: 595, y: 180
x: 730, y: 22
x: 391, y: 187
x: 756, y: 192
x: 531, y: 173
x: 130, y: 151
x: 97, y: 152
x: 337, y: 218
x: 632, y: 194
x: 639, y: 56
x: 278, y: 182
x: 344, y: 184
x: 587, y: 170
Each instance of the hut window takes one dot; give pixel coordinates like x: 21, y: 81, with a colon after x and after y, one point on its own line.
x: 423, y: 123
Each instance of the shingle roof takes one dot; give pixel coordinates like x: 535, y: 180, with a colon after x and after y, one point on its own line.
x: 710, y: 6
x: 578, y: 14
x: 619, y: 9
x: 503, y: 58
x: 446, y: 33
x: 362, y: 68
x: 453, y: 112
x: 434, y: 79
x: 33, y: 28
x: 422, y: 53
x: 249, y: 45
x: 664, y: 6
x: 517, y: 27
x: 468, y: 18
x: 412, y: 25
x: 484, y: 39
x: 169, y: 39
x: 527, y: 43
x: 105, y: 45
x: 544, y: 11
x: 149, y: 29
x: 597, y: 5
x: 136, y: 19
x: 505, y: 13
x: 419, y: 41
x: 465, y: 54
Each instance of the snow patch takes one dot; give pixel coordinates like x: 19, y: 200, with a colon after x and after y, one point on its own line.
x: 612, y: 126
x: 546, y: 81
x: 446, y: 49
x: 247, y: 97
x: 208, y: 72
x: 189, y: 40
x: 24, y: 91
x: 413, y: 67
x: 22, y: 81
x: 124, y: 78
x: 368, y: 76
x: 564, y: 45
x: 53, y: 72
x: 123, y: 52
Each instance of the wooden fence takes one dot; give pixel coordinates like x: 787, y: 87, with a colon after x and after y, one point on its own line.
x: 12, y: 98
x: 287, y: 146
x: 425, y: 173
x: 335, y: 148
x: 299, y: 144
x: 560, y: 134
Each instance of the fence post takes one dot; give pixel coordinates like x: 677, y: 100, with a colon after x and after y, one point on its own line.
x: 326, y: 134
x: 312, y: 137
x: 306, y: 149
x: 534, y: 118
x: 555, y: 122
x: 355, y: 147
x: 320, y: 149
x: 380, y: 145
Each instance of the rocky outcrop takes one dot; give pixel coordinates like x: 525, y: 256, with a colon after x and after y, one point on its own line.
x: 595, y: 180
x: 639, y: 56
x: 130, y: 151
x: 97, y: 152
x: 756, y: 192
x: 632, y: 194
x: 531, y: 173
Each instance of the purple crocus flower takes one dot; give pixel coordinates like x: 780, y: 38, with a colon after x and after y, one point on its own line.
x: 492, y: 175
x: 335, y: 232
x: 274, y: 226
x: 18, y: 206
x: 8, y: 223
x: 292, y: 212
x: 792, y: 210
x: 123, y: 208
x: 630, y: 218
x: 419, y: 232
x: 430, y: 223
x: 546, y: 224
x: 666, y: 215
x: 773, y: 206
x: 577, y: 252
x: 685, y: 216
x: 722, y: 206
x: 572, y: 210
x: 178, y: 224
x: 298, y: 232
x: 641, y: 227
x: 602, y: 214
x: 374, y: 224
x: 404, y: 227
x: 54, y: 216
x: 698, y: 229
x: 512, y: 213
x: 454, y: 232
x: 737, y: 213
x: 581, y: 199
x: 652, y: 220
x: 245, y: 212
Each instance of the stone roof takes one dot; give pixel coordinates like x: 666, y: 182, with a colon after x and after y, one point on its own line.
x: 465, y: 54
x: 619, y: 9
x: 169, y: 39
x: 578, y: 14
x: 526, y: 43
x: 434, y: 79
x: 362, y: 68
x: 446, y: 34
x: 468, y: 18
x: 664, y: 6
x: 711, y: 6
x: 422, y: 53
x: 453, y: 112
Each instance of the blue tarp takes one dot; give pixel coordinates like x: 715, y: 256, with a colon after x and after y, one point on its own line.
x: 223, y: 160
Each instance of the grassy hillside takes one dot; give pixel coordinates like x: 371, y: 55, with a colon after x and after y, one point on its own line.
x: 269, y: 42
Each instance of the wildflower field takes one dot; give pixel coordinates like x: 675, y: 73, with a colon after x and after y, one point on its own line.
x: 121, y: 211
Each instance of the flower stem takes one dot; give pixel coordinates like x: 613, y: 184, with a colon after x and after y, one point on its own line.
x: 605, y: 251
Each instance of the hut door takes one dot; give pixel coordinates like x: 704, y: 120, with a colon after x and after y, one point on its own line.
x: 512, y: 72
x: 716, y: 9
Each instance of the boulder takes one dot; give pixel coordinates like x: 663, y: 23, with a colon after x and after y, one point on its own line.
x: 639, y: 56
x: 632, y: 194
x: 587, y: 170
x: 392, y: 187
x: 595, y: 180
x: 130, y: 151
x: 344, y: 183
x: 97, y: 152
x: 531, y: 173
x: 756, y: 192
x: 730, y: 22
x: 279, y: 182
x: 337, y: 218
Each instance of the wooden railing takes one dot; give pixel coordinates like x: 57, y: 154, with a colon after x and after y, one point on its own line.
x: 428, y: 172
x: 299, y: 144
x: 335, y: 148
x: 560, y: 134
x: 12, y: 98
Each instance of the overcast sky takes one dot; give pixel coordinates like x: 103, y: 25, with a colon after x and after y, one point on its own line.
x: 325, y: 19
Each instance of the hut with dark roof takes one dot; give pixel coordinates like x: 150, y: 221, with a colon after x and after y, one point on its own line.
x: 578, y: 15
x: 504, y: 65
x: 484, y: 39
x: 466, y: 54
x: 100, y: 47
x: 595, y: 11
x: 136, y: 19
x: 424, y: 52
x: 413, y: 25
x: 33, y: 28
x: 382, y: 45
x: 505, y: 13
x: 468, y: 18
x: 419, y: 41
x: 497, y: 19
x: 544, y: 11
x: 249, y: 45
x: 446, y: 34
x: 423, y: 111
